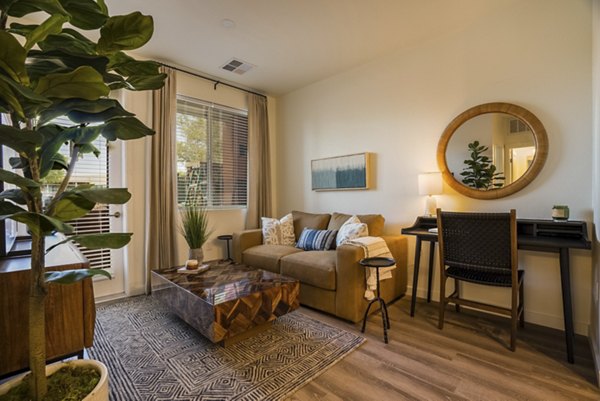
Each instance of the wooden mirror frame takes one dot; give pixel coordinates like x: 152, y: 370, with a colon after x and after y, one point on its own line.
x: 541, y: 149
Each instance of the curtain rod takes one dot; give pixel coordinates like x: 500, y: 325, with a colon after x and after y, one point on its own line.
x: 216, y: 81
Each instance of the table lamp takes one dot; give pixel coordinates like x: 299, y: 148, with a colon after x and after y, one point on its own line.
x: 430, y: 184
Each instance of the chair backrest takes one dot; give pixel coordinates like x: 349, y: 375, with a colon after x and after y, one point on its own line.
x: 478, y: 241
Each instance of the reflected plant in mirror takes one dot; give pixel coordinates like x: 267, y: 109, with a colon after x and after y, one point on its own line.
x: 480, y: 172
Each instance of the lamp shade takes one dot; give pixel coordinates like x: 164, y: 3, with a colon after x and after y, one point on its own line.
x: 430, y: 183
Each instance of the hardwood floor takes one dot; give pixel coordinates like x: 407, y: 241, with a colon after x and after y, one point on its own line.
x: 467, y: 360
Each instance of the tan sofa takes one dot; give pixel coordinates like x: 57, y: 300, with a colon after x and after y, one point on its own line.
x: 331, y: 281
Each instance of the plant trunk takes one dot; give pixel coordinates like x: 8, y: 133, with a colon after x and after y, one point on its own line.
x: 37, y: 320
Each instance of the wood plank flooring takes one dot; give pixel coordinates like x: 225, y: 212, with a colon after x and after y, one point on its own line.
x: 467, y: 360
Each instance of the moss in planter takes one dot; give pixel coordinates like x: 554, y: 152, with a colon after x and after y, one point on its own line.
x: 66, y: 384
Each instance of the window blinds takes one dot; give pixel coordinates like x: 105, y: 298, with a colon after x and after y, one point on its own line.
x: 212, y: 154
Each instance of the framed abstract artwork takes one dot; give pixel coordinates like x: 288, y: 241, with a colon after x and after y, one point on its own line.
x: 341, y: 172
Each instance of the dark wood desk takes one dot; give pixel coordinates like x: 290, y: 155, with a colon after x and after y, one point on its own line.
x: 534, y: 235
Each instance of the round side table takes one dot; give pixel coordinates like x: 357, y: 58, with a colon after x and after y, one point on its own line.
x: 378, y: 263
x: 228, y: 238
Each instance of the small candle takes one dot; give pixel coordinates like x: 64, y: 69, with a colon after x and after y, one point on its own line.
x: 191, y: 264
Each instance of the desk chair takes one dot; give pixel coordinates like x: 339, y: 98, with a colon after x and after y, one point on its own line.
x: 480, y: 248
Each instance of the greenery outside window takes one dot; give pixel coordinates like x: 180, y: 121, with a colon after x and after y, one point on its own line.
x: 212, y: 154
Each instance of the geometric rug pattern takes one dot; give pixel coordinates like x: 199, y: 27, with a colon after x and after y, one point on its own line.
x: 152, y: 355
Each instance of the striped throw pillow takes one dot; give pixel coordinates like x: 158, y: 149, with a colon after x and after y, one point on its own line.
x: 317, y: 240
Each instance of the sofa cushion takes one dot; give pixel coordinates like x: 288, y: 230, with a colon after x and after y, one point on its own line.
x: 375, y: 222
x: 278, y: 232
x: 350, y: 231
x: 317, y: 240
x: 309, y: 220
x: 316, y: 268
x: 267, y: 256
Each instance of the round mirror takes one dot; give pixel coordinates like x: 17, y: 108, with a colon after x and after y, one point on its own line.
x: 492, y: 150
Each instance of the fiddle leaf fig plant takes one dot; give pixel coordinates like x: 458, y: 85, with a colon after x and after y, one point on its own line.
x: 49, y: 70
x: 480, y: 172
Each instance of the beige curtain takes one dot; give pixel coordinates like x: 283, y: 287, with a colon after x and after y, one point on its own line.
x: 162, y: 227
x: 259, y: 165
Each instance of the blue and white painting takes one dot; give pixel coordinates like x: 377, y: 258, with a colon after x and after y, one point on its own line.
x: 342, y: 172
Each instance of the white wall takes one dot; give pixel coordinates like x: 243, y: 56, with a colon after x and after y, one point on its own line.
x: 535, y: 54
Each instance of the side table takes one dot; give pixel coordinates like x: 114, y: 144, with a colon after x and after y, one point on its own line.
x: 228, y: 238
x: 378, y: 263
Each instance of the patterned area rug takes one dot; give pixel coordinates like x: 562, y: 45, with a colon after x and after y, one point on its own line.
x: 153, y: 355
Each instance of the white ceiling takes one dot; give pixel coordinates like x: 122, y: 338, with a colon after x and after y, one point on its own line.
x: 294, y: 42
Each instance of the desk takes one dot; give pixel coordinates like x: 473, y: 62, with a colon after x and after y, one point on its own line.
x: 534, y: 235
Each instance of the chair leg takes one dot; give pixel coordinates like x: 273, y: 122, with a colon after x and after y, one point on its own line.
x: 457, y: 290
x: 442, y: 300
x: 514, y: 316
x: 521, y: 305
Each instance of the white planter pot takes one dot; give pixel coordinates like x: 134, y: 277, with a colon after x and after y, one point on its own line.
x: 99, y: 393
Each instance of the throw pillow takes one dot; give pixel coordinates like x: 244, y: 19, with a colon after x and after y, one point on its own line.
x: 350, y: 230
x: 278, y: 232
x: 316, y: 240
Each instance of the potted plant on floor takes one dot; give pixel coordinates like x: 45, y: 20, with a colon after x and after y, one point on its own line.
x: 194, y: 228
x: 50, y: 70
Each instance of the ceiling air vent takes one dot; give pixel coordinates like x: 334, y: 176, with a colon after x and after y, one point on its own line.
x: 238, y: 66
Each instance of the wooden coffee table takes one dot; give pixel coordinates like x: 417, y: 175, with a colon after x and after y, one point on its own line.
x: 229, y: 301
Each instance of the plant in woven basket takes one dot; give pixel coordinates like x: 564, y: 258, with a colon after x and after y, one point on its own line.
x: 480, y: 172
x: 50, y: 70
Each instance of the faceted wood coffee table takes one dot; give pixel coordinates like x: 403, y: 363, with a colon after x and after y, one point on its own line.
x: 228, y: 300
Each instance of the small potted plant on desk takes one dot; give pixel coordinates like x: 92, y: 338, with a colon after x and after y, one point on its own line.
x: 50, y: 70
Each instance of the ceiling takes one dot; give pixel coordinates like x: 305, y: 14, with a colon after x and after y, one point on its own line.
x: 294, y: 43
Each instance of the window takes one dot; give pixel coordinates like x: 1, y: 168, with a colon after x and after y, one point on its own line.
x: 212, y: 154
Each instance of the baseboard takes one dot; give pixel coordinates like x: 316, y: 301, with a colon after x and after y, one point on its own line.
x: 595, y: 353
x: 542, y: 319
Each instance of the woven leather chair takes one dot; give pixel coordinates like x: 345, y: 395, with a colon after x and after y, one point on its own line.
x: 480, y: 248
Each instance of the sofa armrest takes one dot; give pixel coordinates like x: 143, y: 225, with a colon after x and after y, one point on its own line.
x: 350, y: 282
x: 243, y: 240
x: 398, y: 245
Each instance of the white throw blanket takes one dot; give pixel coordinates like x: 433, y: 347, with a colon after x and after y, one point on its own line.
x: 374, y: 247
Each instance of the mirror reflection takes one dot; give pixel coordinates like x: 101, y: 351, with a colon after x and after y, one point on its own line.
x: 490, y: 151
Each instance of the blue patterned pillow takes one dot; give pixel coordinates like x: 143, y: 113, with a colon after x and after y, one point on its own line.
x: 317, y: 240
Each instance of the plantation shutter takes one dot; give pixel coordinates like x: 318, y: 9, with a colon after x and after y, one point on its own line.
x: 212, y: 153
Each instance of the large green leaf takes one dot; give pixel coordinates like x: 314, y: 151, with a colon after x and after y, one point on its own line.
x: 37, y: 68
x: 126, y: 65
x: 86, y: 14
x: 89, y: 148
x: 125, y: 32
x: 21, y: 182
x: 85, y: 82
x: 30, y: 101
x: 21, y: 141
x: 146, y: 82
x: 9, y: 100
x: 40, y: 224
x: 83, y: 111
x: 70, y: 59
x: 67, y: 43
x: 113, y: 196
x: 52, y: 25
x: 98, y: 241
x: 72, y: 206
x: 15, y: 195
x: 23, y: 7
x: 12, y: 58
x: 8, y: 208
x: 73, y: 276
x: 125, y: 128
